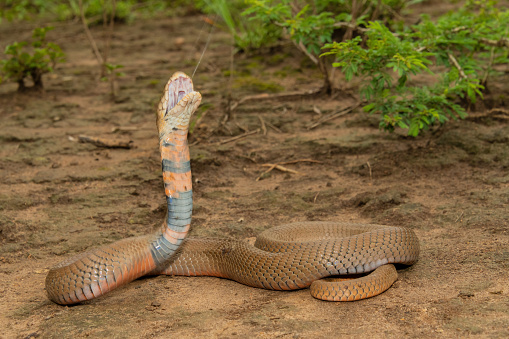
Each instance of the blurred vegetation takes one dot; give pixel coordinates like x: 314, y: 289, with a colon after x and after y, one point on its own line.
x: 125, y: 11
x: 365, y: 39
x: 30, y: 60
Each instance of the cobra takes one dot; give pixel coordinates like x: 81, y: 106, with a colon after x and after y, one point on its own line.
x: 286, y: 257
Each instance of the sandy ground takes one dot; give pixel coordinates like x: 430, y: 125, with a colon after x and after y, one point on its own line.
x: 59, y: 197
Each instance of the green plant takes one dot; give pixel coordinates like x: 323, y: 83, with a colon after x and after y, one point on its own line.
x: 21, y: 64
x: 126, y: 11
x: 384, y: 54
x: 23, y: 9
x: 467, y: 42
x: 111, y: 73
x: 247, y: 34
x: 310, y: 24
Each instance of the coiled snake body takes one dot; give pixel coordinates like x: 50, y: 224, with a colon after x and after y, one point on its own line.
x: 287, y: 257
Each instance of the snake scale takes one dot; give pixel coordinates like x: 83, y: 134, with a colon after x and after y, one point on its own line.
x: 286, y: 257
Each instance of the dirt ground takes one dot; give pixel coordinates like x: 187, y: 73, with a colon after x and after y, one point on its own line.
x: 59, y: 197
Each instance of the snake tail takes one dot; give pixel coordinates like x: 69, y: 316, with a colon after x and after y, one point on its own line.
x: 299, y: 255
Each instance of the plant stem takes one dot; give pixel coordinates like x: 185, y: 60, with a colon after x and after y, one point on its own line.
x: 90, y: 38
x: 453, y: 60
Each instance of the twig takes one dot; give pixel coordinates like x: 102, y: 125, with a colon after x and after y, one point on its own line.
x: 370, y: 172
x: 459, y: 29
x: 282, y: 168
x: 267, y: 171
x: 503, y: 42
x: 303, y: 48
x: 124, y: 129
x: 501, y: 110
x: 316, y: 196
x: 280, y: 96
x: 279, y: 167
x: 101, y: 142
x: 377, y: 9
x: 459, y: 217
x: 90, y: 38
x: 453, y: 60
x: 350, y: 25
x: 504, y: 114
x: 354, y: 12
x: 317, y: 110
x: 264, y: 129
x: 248, y: 158
x: 300, y: 160
x: 335, y: 115
x: 238, y: 137
x: 273, y: 127
x: 245, y: 130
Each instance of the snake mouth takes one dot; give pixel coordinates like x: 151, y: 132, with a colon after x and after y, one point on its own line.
x: 178, y: 103
x: 178, y: 87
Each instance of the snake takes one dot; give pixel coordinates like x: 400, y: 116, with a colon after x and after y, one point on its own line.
x: 319, y: 255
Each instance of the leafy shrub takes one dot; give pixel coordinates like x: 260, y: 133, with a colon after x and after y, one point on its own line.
x: 23, y: 64
x: 463, y: 41
x: 467, y: 42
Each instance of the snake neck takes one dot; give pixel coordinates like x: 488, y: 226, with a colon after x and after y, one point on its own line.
x: 178, y: 103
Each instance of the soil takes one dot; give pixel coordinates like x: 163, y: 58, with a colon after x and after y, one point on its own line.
x: 59, y: 197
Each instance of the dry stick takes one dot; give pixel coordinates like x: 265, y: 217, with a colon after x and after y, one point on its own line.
x: 237, y: 137
x: 501, y: 110
x: 370, y: 172
x: 266, y: 96
x: 300, y: 160
x: 301, y: 46
x: 459, y: 217
x: 273, y: 127
x: 108, y: 143
x: 245, y: 130
x: 504, y: 114
x: 267, y: 171
x: 264, y: 129
x: 316, y: 196
x: 97, y: 54
x: 377, y: 9
x: 279, y: 167
x: 124, y: 129
x: 503, y: 42
x: 335, y: 115
x: 284, y: 169
x: 453, y: 60
x: 355, y: 13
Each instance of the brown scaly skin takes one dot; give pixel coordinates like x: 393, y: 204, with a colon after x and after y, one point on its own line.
x: 287, y: 257
x: 98, y: 271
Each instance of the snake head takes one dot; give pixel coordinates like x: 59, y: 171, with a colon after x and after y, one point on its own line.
x: 178, y: 103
